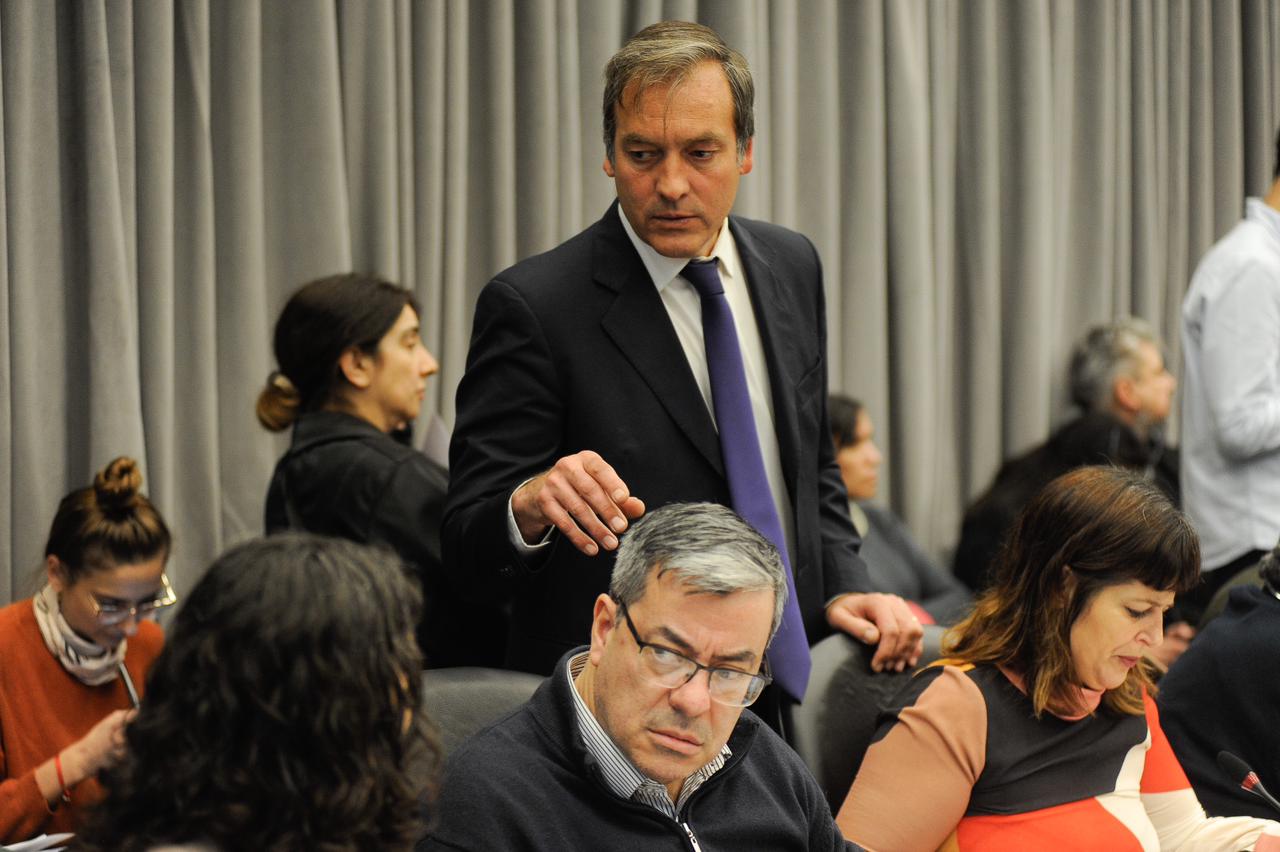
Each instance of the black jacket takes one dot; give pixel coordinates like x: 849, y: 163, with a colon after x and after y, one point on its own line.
x: 527, y: 783
x: 573, y: 350
x: 1097, y: 438
x: 1222, y: 694
x: 344, y: 477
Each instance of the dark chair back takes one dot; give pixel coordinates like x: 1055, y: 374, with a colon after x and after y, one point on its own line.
x: 832, y: 729
x: 462, y: 701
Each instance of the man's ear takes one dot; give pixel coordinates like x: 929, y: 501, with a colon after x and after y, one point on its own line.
x: 603, y: 620
x: 1125, y: 395
x: 356, y: 367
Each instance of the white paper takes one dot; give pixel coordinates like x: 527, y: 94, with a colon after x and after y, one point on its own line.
x: 43, y: 843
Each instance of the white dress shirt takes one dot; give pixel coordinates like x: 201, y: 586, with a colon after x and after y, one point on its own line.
x: 1231, y: 391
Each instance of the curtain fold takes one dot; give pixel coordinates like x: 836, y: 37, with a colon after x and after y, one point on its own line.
x: 48, y: 426
x: 983, y: 178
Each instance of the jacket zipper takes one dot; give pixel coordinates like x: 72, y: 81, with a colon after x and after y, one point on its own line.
x: 692, y: 839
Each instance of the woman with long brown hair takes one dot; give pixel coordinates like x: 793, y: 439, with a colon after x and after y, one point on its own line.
x: 1039, y: 729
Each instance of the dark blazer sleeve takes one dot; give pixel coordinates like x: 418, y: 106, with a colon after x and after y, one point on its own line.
x: 509, y: 419
x: 842, y: 568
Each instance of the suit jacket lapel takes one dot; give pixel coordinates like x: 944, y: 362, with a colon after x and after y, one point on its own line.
x: 779, y: 331
x: 638, y: 324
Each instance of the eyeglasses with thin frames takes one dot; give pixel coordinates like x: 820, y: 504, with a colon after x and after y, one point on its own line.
x: 114, y: 613
x: 672, y: 670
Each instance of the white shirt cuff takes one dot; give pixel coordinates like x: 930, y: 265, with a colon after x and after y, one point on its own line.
x: 513, y: 529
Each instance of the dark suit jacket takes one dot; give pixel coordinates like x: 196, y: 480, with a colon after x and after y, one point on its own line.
x: 573, y: 350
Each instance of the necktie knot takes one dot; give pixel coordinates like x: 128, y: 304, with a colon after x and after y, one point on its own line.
x: 704, y: 276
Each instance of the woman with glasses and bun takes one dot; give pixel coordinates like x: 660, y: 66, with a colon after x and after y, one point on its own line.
x: 74, y: 659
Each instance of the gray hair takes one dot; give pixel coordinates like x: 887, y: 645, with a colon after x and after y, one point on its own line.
x: 1105, y: 353
x: 707, y: 546
x: 666, y: 53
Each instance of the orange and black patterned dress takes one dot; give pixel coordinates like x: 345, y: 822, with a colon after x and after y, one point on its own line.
x: 960, y: 762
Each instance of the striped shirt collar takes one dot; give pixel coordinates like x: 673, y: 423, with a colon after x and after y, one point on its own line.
x: 620, y: 775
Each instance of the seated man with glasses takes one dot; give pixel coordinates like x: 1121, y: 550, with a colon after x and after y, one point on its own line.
x: 639, y: 741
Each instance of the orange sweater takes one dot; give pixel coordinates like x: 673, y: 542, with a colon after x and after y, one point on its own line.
x: 43, y: 709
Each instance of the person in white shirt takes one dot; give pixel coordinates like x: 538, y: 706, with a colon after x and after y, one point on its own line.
x: 1231, y: 394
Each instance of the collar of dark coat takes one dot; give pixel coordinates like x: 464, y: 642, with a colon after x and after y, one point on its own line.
x: 322, y: 427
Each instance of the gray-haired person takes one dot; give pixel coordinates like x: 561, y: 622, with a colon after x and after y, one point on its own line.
x: 639, y: 740
x: 1119, y: 381
x: 1118, y: 368
x: 1231, y: 396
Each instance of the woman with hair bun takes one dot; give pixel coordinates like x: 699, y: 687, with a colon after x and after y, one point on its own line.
x: 353, y: 371
x: 76, y: 655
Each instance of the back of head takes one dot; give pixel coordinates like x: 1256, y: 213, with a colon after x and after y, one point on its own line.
x: 707, y: 546
x: 1104, y: 353
x: 1088, y: 529
x: 323, y: 319
x: 283, y: 712
x: 842, y: 419
x: 664, y: 54
x: 110, y: 523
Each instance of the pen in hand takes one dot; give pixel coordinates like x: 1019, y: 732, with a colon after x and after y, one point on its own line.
x: 128, y: 684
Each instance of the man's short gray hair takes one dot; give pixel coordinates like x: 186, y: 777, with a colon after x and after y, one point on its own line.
x: 1105, y: 353
x: 666, y: 53
x: 707, y: 546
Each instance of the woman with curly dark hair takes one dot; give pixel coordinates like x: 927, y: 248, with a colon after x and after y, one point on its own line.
x: 75, y: 656
x: 284, y: 712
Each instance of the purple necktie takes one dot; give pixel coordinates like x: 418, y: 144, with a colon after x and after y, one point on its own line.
x: 744, y: 465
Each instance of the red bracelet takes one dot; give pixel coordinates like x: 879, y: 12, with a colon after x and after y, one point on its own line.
x: 62, y: 782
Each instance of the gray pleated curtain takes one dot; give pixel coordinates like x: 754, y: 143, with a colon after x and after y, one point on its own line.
x: 982, y: 178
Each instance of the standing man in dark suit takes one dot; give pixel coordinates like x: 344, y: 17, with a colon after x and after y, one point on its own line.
x: 591, y: 393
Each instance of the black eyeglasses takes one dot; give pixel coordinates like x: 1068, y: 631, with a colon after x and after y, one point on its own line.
x: 672, y: 670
